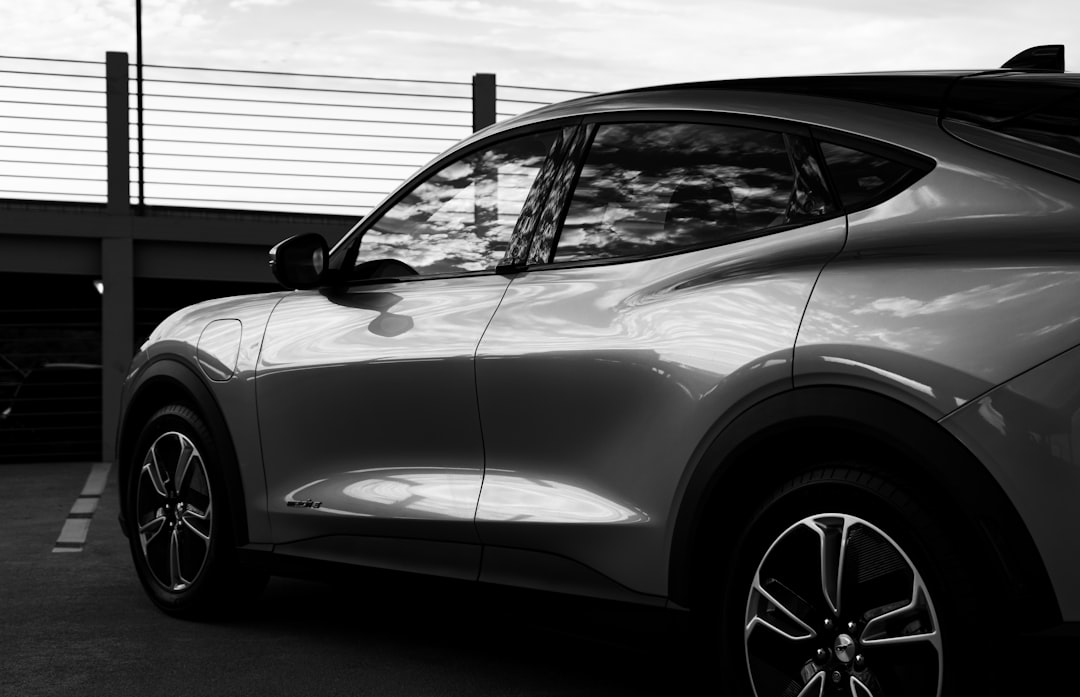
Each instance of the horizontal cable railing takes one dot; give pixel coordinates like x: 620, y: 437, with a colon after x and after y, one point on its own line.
x: 52, y: 129
x: 231, y: 138
x: 515, y: 99
x: 289, y: 142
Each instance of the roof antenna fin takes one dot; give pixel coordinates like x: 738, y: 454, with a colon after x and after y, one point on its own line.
x: 1050, y: 57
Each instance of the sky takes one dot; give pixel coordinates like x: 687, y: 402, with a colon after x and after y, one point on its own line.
x: 338, y: 146
x: 592, y: 45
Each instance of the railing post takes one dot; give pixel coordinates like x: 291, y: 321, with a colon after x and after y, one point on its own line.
x: 483, y: 100
x: 116, y: 132
x: 117, y: 254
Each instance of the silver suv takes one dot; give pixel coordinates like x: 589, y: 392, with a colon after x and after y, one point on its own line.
x: 797, y: 355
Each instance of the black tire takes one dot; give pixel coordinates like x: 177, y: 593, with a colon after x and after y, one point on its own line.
x: 904, y: 617
x: 181, y: 537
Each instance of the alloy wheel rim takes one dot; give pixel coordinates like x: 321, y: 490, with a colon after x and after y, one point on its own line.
x: 174, y: 511
x: 836, y: 607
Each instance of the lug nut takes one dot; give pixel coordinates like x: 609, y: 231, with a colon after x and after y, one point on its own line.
x: 828, y: 623
x: 860, y: 662
x: 821, y: 656
x: 851, y: 627
x: 836, y: 676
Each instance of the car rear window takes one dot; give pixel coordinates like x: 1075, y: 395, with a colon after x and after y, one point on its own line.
x: 862, y: 178
x: 1056, y: 125
x: 1046, y: 113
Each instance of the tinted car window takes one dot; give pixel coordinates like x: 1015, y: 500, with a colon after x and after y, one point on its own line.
x: 653, y: 187
x: 1056, y: 125
x: 461, y: 218
x: 1043, y: 109
x: 861, y: 177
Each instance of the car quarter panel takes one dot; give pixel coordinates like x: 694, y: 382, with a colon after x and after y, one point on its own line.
x: 972, y: 270
x: 596, y: 384
x: 1027, y: 433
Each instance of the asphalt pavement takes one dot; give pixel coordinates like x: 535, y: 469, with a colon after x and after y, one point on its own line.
x: 74, y: 621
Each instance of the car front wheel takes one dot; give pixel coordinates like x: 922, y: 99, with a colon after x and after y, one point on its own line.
x: 181, y: 540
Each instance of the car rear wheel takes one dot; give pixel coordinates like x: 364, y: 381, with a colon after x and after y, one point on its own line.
x: 181, y: 539
x: 880, y: 637
x: 845, y: 584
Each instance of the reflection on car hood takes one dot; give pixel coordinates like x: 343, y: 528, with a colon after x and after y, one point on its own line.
x: 193, y: 318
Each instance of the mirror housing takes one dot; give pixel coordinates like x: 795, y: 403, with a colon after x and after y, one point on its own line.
x: 300, y: 262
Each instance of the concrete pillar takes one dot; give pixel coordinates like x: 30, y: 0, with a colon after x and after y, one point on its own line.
x: 117, y: 254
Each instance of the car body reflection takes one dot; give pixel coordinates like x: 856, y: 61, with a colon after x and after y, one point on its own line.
x: 401, y: 492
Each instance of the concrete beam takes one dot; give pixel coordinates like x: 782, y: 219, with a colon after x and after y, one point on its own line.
x: 201, y: 262
x: 204, y: 226
x: 60, y: 255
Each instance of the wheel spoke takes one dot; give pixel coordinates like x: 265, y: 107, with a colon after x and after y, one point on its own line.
x: 149, y: 530
x: 205, y: 537
x: 816, y: 686
x: 175, y: 579
x: 832, y: 533
x: 153, y: 470
x: 193, y: 512
x: 183, y: 466
x: 909, y: 623
x: 768, y: 618
x: 859, y: 688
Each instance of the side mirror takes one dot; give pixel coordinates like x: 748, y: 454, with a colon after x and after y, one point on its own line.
x: 300, y: 262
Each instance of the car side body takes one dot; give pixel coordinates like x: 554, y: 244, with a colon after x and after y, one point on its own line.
x: 576, y: 425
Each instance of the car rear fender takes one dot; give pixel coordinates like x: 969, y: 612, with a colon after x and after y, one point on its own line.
x: 740, y: 462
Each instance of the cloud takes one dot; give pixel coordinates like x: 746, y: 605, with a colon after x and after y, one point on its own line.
x: 244, y: 5
x: 1023, y: 287
x: 467, y: 10
x: 576, y: 44
x: 75, y: 29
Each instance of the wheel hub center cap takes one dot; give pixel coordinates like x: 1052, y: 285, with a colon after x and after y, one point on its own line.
x: 844, y: 648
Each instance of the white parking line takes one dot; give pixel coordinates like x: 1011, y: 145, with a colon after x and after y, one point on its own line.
x: 77, y: 526
x: 95, y: 483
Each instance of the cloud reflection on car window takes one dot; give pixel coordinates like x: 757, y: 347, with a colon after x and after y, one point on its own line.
x: 461, y: 218
x: 653, y: 187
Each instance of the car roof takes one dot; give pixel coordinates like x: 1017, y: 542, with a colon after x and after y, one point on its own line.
x: 925, y: 92
x: 914, y: 91
x: 981, y: 97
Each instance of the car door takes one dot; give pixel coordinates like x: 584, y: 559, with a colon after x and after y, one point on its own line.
x: 366, y: 392
x: 670, y: 294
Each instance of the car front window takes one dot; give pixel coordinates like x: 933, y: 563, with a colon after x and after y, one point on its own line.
x: 461, y: 218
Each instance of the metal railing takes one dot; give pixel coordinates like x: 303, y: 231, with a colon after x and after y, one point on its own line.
x: 52, y: 129
x: 237, y: 139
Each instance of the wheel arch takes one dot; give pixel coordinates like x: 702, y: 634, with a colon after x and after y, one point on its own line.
x: 803, y: 426
x: 167, y: 381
